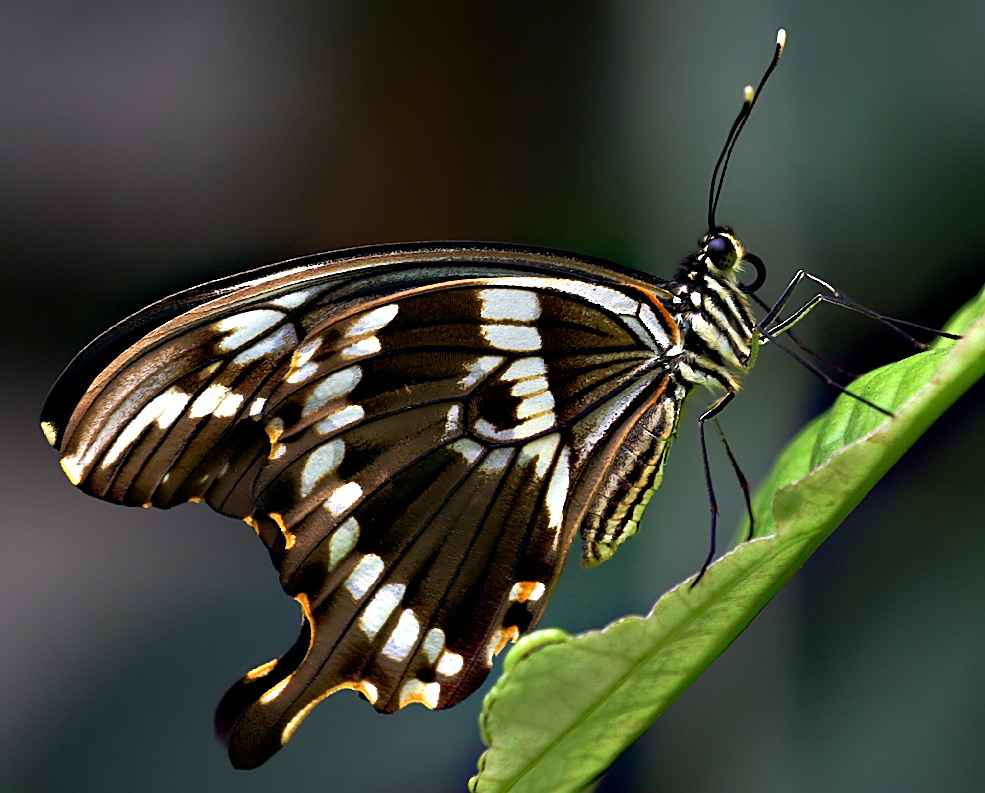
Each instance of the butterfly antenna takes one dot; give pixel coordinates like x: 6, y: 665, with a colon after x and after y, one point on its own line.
x: 749, y: 99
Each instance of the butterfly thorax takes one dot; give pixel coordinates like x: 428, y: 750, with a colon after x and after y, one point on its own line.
x: 717, y: 326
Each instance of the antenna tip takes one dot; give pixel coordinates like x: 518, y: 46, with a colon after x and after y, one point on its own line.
x: 781, y: 39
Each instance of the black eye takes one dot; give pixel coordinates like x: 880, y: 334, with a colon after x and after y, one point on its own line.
x: 721, y: 252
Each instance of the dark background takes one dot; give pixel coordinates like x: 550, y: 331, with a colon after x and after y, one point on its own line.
x: 147, y: 147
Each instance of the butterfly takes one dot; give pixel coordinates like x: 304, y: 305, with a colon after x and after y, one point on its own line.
x: 416, y: 433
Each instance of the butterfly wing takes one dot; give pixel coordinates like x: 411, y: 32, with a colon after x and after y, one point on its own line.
x: 415, y: 434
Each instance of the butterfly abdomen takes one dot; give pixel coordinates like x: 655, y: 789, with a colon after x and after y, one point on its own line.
x: 621, y: 496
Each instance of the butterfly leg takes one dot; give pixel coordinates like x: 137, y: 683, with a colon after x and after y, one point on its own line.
x: 743, y: 482
x: 713, y: 410
x: 770, y: 327
x: 828, y: 381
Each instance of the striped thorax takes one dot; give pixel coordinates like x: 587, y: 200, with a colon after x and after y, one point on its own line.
x: 717, y: 327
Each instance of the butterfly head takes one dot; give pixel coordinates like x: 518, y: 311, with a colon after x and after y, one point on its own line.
x: 722, y: 256
x: 714, y: 307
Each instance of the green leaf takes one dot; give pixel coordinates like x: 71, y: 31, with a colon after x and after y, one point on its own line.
x: 567, y: 707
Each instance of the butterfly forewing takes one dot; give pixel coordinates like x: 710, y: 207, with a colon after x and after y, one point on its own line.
x: 415, y: 434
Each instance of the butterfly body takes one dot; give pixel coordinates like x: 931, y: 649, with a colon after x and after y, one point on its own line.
x: 415, y: 432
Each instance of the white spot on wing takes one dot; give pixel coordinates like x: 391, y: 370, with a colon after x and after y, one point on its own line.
x: 208, y: 401
x: 277, y: 343
x: 74, y: 468
x: 434, y: 643
x: 320, y: 463
x: 368, y: 346
x: 173, y: 402
x: 450, y: 664
x: 453, y: 422
x: 163, y: 409
x: 494, y: 642
x: 343, y: 540
x: 50, y: 432
x: 216, y: 400
x: 350, y: 414
x: 364, y: 575
x: 246, y: 327
x: 518, y: 338
x: 479, y: 368
x: 292, y: 299
x: 343, y: 497
x: 557, y: 490
x: 535, y: 405
x: 415, y: 690
x: 379, y: 609
x: 373, y: 320
x: 301, y: 369
x: 517, y: 305
x: 610, y: 299
x: 525, y: 429
x: 529, y: 386
x: 302, y: 373
x: 496, y: 460
x: 404, y: 636
x: 653, y: 324
x: 306, y: 350
x: 229, y: 406
x: 469, y: 449
x: 542, y: 450
x: 332, y: 387
x: 525, y: 367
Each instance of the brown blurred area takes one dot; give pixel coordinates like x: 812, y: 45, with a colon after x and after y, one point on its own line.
x: 146, y: 148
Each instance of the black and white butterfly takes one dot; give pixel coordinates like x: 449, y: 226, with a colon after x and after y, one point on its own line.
x: 416, y: 432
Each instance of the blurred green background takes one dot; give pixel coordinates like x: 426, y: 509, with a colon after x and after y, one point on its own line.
x: 146, y: 147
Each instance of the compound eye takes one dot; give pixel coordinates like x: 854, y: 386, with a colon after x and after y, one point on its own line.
x: 721, y: 252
